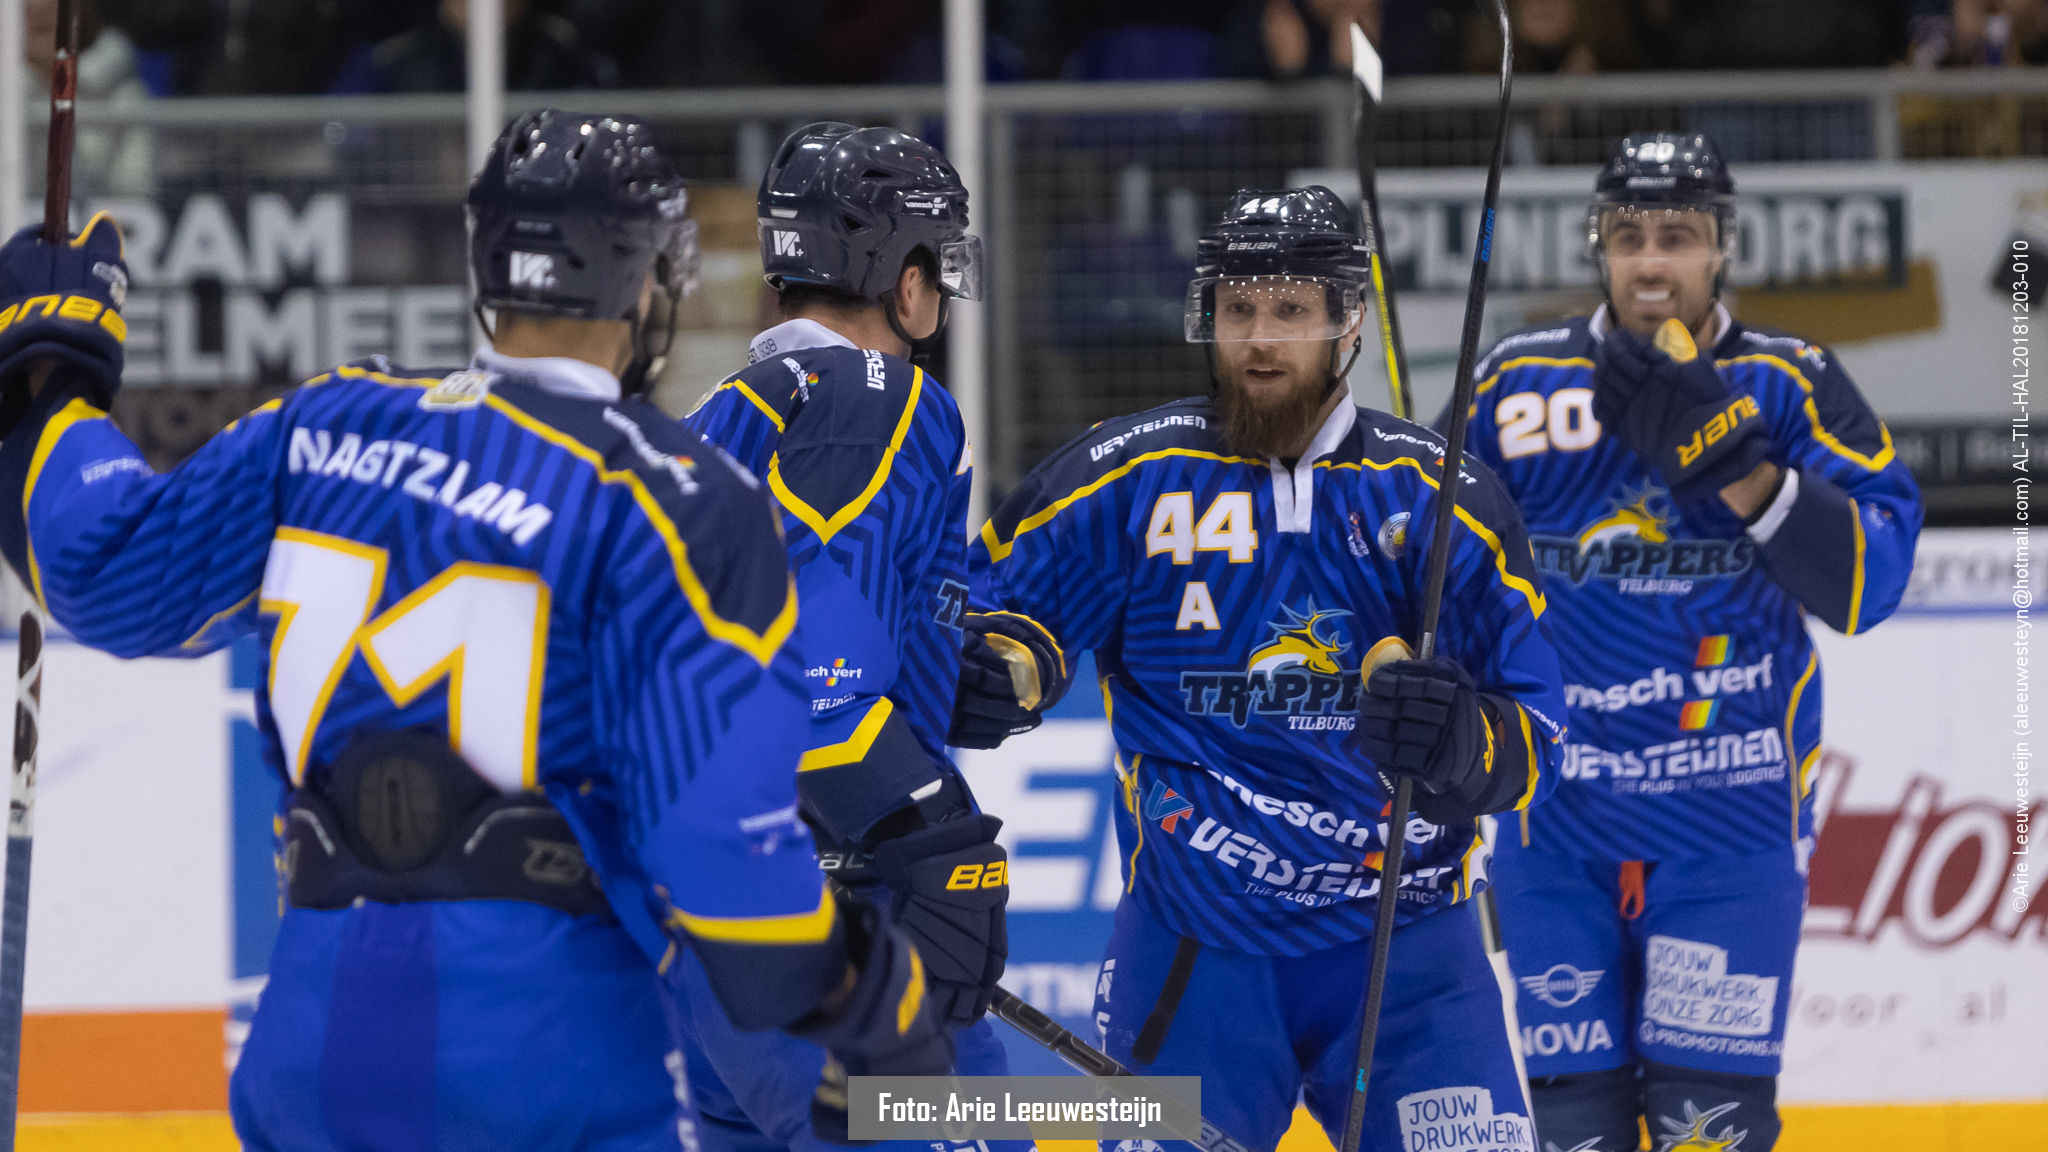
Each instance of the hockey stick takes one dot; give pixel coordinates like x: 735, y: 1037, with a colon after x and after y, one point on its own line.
x: 1432, y: 592
x: 1365, y: 67
x: 1046, y: 1032
x: 28, y: 697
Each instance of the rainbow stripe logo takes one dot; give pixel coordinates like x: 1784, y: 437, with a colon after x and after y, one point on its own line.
x: 1697, y: 714
x: 1713, y: 652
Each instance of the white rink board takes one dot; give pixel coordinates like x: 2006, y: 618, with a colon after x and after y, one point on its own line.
x: 1930, y: 1001
x: 129, y: 890
x: 132, y: 904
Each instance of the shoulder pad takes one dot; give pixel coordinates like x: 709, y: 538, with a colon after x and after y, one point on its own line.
x: 1556, y: 341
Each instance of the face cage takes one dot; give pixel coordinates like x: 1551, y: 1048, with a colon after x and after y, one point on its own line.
x: 1343, y: 306
x: 962, y: 265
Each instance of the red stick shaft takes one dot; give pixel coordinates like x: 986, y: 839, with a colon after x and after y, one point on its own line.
x: 63, y: 110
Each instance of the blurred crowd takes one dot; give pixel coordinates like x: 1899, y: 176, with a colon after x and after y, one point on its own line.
x: 200, y: 47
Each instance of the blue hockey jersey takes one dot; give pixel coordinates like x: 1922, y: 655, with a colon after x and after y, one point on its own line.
x: 1695, y: 693
x: 591, y: 601
x: 867, y: 456
x: 1230, y: 603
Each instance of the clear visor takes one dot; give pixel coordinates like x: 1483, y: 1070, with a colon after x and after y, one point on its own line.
x: 960, y: 267
x: 1223, y: 309
x: 1656, y: 229
x: 677, y: 266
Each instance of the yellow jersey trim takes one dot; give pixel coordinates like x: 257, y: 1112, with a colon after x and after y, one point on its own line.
x: 854, y: 748
x: 762, y: 645
x: 1487, y: 384
x: 72, y: 413
x: 1827, y: 439
x: 1537, y: 604
x: 753, y: 398
x: 827, y: 527
x: 811, y: 927
x: 1792, y: 753
x: 1856, y: 572
x: 999, y: 548
x: 1529, y: 743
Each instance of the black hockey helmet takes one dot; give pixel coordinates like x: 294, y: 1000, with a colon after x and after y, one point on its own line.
x: 569, y: 215
x: 844, y: 208
x: 1663, y: 171
x: 1270, y: 240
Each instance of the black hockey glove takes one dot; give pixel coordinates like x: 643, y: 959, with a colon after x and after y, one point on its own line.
x: 1423, y: 719
x: 1673, y: 410
x: 878, y: 1023
x: 987, y: 709
x: 948, y: 884
x: 62, y: 302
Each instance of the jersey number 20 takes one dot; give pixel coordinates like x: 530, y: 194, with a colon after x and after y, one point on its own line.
x: 1531, y: 422
x: 482, y: 628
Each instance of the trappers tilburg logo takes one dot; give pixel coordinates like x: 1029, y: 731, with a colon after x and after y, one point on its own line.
x: 1297, y: 670
x: 1633, y: 545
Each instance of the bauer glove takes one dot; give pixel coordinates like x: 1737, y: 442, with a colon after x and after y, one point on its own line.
x: 1423, y: 719
x: 949, y: 884
x: 62, y: 303
x: 878, y: 1023
x: 1670, y: 406
x: 1011, y: 671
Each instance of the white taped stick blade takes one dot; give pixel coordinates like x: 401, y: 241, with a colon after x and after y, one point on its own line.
x: 1365, y: 62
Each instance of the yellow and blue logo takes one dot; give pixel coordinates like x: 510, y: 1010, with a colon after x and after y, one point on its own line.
x: 1300, y: 640
x: 1632, y: 516
x: 1690, y: 1134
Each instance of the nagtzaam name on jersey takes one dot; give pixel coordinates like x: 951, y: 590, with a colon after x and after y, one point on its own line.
x: 427, y: 474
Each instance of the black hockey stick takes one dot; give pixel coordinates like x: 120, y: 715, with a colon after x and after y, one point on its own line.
x: 1432, y: 592
x: 1046, y: 1032
x: 1366, y: 69
x: 28, y: 697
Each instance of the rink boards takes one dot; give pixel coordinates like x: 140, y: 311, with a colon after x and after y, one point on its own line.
x: 1918, y: 985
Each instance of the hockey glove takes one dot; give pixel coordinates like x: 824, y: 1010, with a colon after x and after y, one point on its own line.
x: 1674, y: 411
x: 949, y: 883
x: 62, y: 302
x: 1423, y: 719
x: 998, y: 649
x: 878, y: 1023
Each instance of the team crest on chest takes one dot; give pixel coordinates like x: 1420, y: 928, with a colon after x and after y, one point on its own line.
x: 1301, y: 672
x: 1634, y: 544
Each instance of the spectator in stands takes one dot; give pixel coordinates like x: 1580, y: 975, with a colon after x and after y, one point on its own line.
x: 1772, y: 33
x: 1312, y: 37
x: 1973, y: 34
x: 542, y: 51
x: 108, y: 160
x: 240, y: 47
x: 1978, y: 33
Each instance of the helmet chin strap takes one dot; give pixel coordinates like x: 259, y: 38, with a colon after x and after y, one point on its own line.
x: 920, y: 350
x: 648, y: 359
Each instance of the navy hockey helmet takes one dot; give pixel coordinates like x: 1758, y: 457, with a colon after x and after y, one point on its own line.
x: 844, y: 208
x: 568, y: 217
x: 1269, y: 243
x: 1652, y: 172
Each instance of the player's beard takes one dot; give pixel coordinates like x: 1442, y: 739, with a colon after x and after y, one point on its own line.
x: 1269, y: 426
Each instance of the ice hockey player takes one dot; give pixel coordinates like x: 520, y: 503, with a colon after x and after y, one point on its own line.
x: 1695, y: 489
x: 527, y: 672
x: 1233, y: 560
x: 863, y: 237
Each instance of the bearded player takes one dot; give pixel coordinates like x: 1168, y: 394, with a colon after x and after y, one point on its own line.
x: 1233, y: 561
